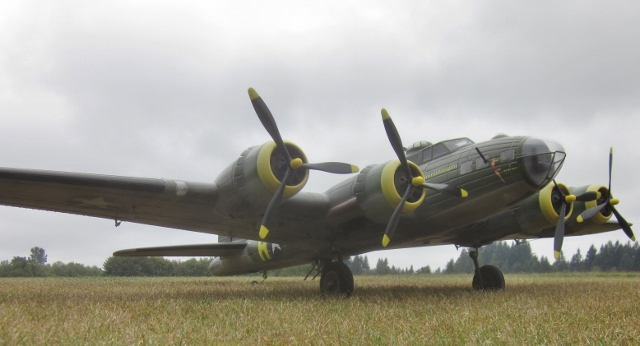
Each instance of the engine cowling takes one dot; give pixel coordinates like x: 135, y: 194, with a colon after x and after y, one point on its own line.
x: 254, y: 177
x: 379, y: 189
x: 603, y: 192
x: 542, y: 209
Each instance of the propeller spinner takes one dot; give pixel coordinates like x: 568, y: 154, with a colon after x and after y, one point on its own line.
x: 269, y: 123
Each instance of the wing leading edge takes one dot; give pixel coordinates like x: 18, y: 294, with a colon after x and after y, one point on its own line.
x: 211, y: 250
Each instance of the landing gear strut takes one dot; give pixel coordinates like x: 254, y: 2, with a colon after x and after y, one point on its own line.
x: 336, y: 279
x: 486, y: 277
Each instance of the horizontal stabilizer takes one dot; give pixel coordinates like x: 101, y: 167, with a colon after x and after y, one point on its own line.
x: 210, y: 250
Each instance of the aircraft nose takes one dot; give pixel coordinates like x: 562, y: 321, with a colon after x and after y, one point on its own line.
x: 541, y: 160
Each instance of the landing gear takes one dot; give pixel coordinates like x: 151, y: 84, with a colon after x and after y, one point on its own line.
x: 487, y: 277
x: 336, y: 279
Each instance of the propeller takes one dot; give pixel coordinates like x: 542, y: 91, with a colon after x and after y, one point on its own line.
x: 417, y: 182
x: 269, y: 123
x: 610, y: 202
x: 566, y: 200
x: 559, y: 233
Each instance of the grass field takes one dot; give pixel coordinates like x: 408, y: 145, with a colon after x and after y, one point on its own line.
x: 600, y: 309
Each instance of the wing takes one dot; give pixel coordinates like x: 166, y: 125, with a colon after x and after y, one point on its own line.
x: 211, y: 250
x: 160, y: 202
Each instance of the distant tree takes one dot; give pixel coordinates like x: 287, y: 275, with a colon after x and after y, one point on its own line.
x: 590, y: 259
x: 365, y: 264
x: 561, y: 265
x: 424, y: 270
x: 19, y: 267
x: 382, y: 267
x: 37, y: 260
x: 576, y: 264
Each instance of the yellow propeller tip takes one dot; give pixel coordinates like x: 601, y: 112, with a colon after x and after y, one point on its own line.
x: 579, y: 219
x: 633, y: 238
x: 296, y: 163
x: 253, y: 94
x: 385, y: 241
x: 355, y: 169
x: 464, y: 193
x: 264, y: 231
x: 385, y: 114
x: 570, y: 198
x: 417, y: 181
x: 614, y: 201
x: 556, y: 254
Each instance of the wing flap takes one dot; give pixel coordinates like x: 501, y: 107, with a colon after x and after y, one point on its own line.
x: 207, y: 250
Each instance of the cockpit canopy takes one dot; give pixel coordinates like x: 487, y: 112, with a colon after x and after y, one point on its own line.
x: 423, y: 151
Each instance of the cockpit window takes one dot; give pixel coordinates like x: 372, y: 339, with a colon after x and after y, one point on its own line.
x: 439, y: 150
x: 456, y: 144
x: 426, y: 155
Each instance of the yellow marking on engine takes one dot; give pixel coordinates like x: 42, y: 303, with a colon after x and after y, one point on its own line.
x: 263, y: 251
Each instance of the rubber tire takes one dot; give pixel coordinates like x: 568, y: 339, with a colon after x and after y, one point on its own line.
x: 336, y: 279
x: 492, y: 279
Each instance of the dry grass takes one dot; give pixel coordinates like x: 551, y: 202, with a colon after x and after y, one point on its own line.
x: 599, y: 309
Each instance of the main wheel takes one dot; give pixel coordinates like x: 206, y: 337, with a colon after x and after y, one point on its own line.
x: 336, y: 279
x: 492, y: 279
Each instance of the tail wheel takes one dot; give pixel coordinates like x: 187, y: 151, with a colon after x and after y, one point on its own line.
x: 490, y: 278
x: 336, y: 279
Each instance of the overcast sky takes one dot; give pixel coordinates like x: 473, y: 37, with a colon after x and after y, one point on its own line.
x: 156, y: 89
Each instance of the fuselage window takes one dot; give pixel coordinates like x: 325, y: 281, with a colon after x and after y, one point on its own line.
x: 466, y: 167
x: 507, y: 155
x: 480, y: 163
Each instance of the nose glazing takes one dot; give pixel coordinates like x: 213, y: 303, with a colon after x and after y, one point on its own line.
x: 541, y: 160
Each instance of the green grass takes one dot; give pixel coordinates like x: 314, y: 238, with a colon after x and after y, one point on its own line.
x: 600, y: 309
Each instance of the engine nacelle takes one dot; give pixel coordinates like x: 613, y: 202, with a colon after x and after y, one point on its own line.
x: 603, y: 215
x: 252, y: 180
x: 543, y: 209
x: 379, y: 189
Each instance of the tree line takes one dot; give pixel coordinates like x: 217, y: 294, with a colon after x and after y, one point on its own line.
x: 518, y: 258
x: 510, y: 258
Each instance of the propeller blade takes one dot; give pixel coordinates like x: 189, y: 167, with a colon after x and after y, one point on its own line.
x: 395, y: 218
x: 587, y: 196
x: 332, y: 167
x: 624, y: 224
x: 591, y: 212
x: 395, y: 140
x: 559, y: 235
x: 267, y: 120
x: 445, y: 188
x: 273, y: 206
x: 610, y: 168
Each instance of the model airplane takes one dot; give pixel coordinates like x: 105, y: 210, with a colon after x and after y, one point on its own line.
x: 453, y: 192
